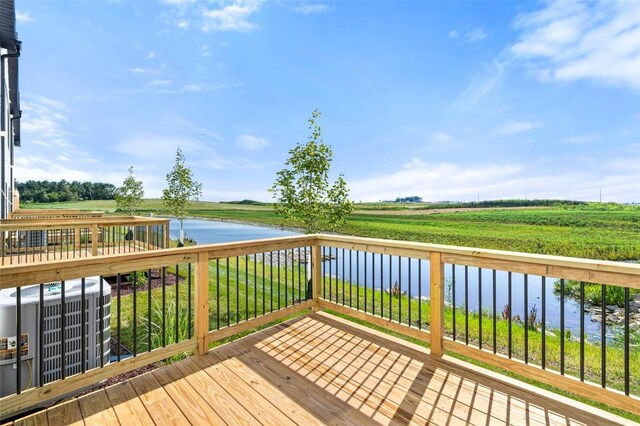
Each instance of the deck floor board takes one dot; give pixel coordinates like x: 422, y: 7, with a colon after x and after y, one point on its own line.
x: 316, y: 370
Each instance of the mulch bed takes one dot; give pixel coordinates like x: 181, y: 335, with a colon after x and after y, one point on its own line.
x: 126, y: 287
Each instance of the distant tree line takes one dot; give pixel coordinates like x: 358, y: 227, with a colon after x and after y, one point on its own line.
x: 413, y: 199
x: 502, y: 203
x: 44, y: 191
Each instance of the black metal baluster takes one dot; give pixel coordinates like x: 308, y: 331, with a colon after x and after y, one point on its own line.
x: 544, y: 323
x: 343, y: 276
x: 526, y: 318
x: 278, y: 280
x: 300, y: 276
x: 135, y: 315
x: 63, y: 328
x: 390, y: 287
x: 218, y: 294
x: 582, y: 331
x: 271, y: 282
x: 381, y: 286
x: 337, y: 281
x: 246, y: 287
x: 400, y: 289
x: 228, y: 296
x: 453, y: 295
x: 480, y: 308
x: 164, y: 307
x: 603, y: 337
x: 350, y: 278
x: 510, y: 312
x: 330, y: 274
x: 409, y: 293
x: 263, y: 285
x: 373, y: 283
x: 286, y: 273
x: 255, y: 285
x: 83, y: 327
x: 177, y: 336
x: 324, y: 275
x: 118, y: 278
x: 18, y: 340
x: 626, y: 341
x: 365, y: 281
x: 419, y: 294
x: 466, y: 304
x: 189, y: 299
x: 357, y: 280
x: 237, y: 313
x: 495, y: 313
x: 149, y: 346
x: 562, y: 326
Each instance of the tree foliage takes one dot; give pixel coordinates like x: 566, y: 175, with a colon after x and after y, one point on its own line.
x: 302, y: 190
x: 181, y: 189
x: 129, y: 195
x: 44, y: 191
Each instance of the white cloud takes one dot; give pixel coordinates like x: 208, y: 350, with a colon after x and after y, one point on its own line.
x: 568, y: 41
x: 23, y: 17
x: 42, y: 122
x: 178, y: 2
x: 251, y: 143
x: 233, y: 16
x: 140, y: 70
x: 619, y: 179
x: 579, y: 139
x: 152, y: 55
x: 311, y: 8
x: 441, y: 138
x: 160, y: 82
x: 515, y: 127
x: 183, y: 24
x: 453, y: 34
x: 204, y: 51
x: 63, y: 158
x: 480, y: 87
x: 475, y: 36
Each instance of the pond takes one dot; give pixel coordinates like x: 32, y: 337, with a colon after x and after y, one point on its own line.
x: 382, y: 268
x: 214, y: 231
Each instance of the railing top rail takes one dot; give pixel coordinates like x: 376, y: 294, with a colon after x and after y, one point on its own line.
x: 600, y: 271
x: 18, y: 275
x: 49, y: 223
x: 488, y: 254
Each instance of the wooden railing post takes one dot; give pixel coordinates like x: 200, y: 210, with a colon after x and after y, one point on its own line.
x: 437, y: 303
x: 76, y: 238
x: 201, y: 323
x: 316, y: 275
x: 94, y: 240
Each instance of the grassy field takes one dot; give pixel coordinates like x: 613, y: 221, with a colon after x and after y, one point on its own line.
x: 597, y: 231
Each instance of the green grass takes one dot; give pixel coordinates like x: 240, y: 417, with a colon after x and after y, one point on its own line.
x: 596, y: 231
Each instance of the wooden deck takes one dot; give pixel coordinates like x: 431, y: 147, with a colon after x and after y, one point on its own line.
x: 314, y: 370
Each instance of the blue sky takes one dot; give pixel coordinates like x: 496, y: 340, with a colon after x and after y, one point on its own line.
x: 445, y: 100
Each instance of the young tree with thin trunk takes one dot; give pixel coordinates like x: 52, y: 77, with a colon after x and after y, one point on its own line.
x: 129, y: 195
x: 181, y: 190
x: 302, y: 191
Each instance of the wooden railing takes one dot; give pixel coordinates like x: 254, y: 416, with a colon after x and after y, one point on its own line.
x: 53, y: 214
x: 223, y: 289
x: 29, y: 240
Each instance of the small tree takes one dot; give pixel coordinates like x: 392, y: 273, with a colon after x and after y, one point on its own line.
x: 129, y: 195
x: 182, y: 189
x: 302, y: 190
